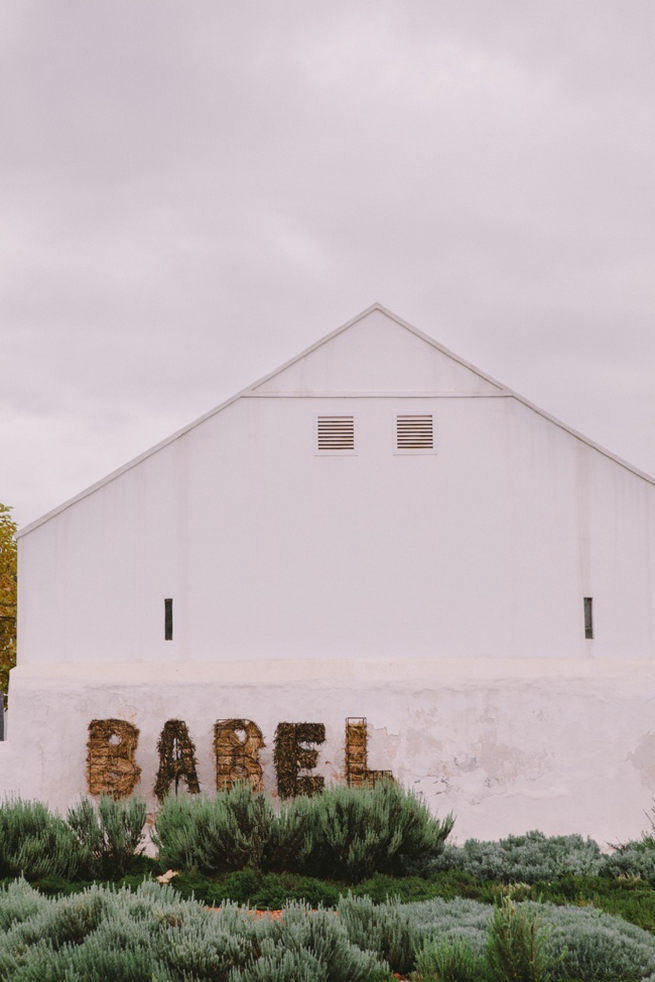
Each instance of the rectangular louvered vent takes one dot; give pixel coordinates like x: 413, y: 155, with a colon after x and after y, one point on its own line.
x: 414, y: 433
x: 336, y: 433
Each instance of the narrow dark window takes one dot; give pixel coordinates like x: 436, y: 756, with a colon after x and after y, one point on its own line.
x: 588, y: 618
x: 168, y: 620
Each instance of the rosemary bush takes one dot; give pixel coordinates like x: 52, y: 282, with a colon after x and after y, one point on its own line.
x: 450, y: 961
x: 214, y: 835
x: 517, y: 945
x: 354, y: 832
x: 385, y: 929
x: 109, y: 837
x: 35, y: 843
x: 340, y: 833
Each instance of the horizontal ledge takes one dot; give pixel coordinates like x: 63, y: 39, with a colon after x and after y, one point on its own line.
x: 437, y: 673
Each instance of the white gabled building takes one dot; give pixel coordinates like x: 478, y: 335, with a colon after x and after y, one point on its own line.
x: 377, y: 529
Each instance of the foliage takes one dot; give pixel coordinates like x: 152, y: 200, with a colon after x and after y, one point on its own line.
x: 450, y: 960
x: 110, y: 836
x: 592, y: 945
x: 524, y: 858
x: 229, y: 831
x: 632, y: 859
x: 385, y: 929
x: 355, y: 832
x: 151, y: 934
x: 582, y: 943
x: 517, y: 945
x: 347, y: 833
x: 36, y: 843
x: 8, y: 595
x: 263, y: 891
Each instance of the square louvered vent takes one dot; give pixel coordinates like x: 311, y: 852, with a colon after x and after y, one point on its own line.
x: 414, y: 433
x: 336, y: 433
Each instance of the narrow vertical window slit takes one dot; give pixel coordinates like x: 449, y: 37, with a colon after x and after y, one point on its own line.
x: 168, y: 619
x: 588, y: 618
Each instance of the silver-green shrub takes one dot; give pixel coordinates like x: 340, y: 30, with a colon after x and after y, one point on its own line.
x: 459, y: 919
x: 593, y: 945
x: 228, y: 831
x: 383, y: 928
x: 321, y: 934
x: 35, y: 843
x: 108, y: 836
x: 104, y: 934
x: 524, y: 858
x: 632, y: 859
x: 583, y: 943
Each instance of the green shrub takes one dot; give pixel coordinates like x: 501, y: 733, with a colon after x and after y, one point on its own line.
x: 264, y: 891
x: 517, y: 945
x: 289, y: 844
x: 214, y: 835
x: 450, y: 961
x: 457, y: 919
x: 19, y: 902
x: 110, y: 836
x: 342, y: 833
x: 354, y: 832
x: 35, y: 843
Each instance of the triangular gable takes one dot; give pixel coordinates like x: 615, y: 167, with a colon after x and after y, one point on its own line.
x: 373, y: 338
x: 376, y: 353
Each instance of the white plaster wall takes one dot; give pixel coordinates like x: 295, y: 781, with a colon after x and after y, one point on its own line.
x: 485, y: 548
x: 507, y: 744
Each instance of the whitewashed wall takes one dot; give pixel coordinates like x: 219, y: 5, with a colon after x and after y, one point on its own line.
x: 508, y: 745
x: 437, y: 565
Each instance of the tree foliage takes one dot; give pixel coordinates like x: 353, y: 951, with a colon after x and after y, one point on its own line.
x: 8, y: 592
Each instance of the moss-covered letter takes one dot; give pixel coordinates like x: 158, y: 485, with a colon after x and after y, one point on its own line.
x: 110, y: 765
x: 177, y: 759
x: 291, y: 757
x: 357, y: 772
x: 237, y: 743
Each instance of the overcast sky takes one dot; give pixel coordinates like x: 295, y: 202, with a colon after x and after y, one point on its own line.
x: 193, y: 191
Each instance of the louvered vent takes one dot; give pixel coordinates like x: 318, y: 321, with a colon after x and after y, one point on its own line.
x: 414, y: 433
x: 336, y: 433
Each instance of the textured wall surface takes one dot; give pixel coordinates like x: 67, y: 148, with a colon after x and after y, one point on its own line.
x: 508, y: 745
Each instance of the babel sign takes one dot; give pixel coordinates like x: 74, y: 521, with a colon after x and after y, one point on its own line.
x: 112, y: 769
